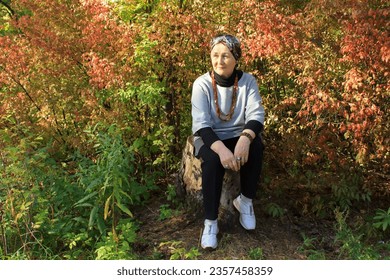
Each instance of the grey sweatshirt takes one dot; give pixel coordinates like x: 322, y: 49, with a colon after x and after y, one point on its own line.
x: 204, y: 114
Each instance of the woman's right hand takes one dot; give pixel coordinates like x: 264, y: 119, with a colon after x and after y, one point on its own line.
x: 227, y: 158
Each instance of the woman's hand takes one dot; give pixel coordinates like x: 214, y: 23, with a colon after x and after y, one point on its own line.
x: 228, y: 160
x: 241, y: 151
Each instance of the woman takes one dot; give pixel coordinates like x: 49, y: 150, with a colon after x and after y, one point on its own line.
x: 227, y: 118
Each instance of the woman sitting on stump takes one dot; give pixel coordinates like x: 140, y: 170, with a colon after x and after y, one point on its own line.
x: 227, y: 117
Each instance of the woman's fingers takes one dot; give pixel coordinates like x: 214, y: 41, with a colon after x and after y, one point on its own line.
x: 232, y: 164
x: 236, y: 165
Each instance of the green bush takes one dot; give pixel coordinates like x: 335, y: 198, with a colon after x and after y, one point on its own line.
x: 109, y: 180
x: 36, y: 196
x: 351, y: 242
x: 349, y: 190
x: 382, y: 219
x: 118, y: 246
x: 43, y: 200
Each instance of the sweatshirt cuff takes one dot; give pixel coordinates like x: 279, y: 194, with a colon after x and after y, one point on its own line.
x: 255, y: 126
x: 208, y: 136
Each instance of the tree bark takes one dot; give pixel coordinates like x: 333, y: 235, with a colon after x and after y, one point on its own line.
x: 189, y: 186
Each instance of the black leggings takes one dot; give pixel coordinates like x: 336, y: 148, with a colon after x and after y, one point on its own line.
x: 213, y: 172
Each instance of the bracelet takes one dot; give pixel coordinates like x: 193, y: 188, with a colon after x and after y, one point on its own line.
x: 247, y: 135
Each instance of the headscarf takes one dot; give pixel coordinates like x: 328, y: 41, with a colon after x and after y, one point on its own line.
x: 231, y: 42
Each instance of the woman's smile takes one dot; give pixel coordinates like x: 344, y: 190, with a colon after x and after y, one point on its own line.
x: 223, y: 60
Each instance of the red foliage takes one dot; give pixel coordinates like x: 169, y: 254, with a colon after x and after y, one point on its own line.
x: 266, y: 30
x: 61, y: 52
x: 322, y: 66
x: 77, y: 33
x: 336, y: 56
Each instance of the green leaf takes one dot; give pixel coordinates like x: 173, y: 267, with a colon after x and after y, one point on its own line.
x: 124, y: 209
x: 101, y: 225
x: 85, y: 198
x: 126, y: 194
x: 84, y: 205
x: 92, y: 216
x: 78, y: 219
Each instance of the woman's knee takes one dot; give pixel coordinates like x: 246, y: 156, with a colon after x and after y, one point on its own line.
x: 209, y: 157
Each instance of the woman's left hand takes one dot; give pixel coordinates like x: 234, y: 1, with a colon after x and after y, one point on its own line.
x: 241, y: 151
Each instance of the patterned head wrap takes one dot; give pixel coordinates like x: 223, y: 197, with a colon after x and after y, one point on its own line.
x: 229, y: 41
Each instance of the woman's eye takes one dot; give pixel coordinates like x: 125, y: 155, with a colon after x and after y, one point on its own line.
x: 223, y: 56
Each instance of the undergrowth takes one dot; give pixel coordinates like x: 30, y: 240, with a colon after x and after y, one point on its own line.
x: 81, y: 206
x: 75, y: 208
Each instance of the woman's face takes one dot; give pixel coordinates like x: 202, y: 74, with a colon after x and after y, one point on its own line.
x: 222, y: 60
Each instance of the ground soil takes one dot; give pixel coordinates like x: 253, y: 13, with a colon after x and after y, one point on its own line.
x: 279, y: 238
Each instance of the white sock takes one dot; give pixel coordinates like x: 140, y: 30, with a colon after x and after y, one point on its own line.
x: 246, y: 199
x: 210, y: 222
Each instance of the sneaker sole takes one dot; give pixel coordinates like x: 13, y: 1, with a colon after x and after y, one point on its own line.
x: 209, y: 248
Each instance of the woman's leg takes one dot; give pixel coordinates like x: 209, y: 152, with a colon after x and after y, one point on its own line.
x: 250, y: 172
x: 213, y: 172
x: 212, y: 179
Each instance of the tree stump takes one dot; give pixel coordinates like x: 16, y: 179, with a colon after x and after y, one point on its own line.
x: 189, y: 186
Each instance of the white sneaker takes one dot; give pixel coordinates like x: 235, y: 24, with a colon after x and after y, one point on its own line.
x: 209, y: 236
x: 247, y: 215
